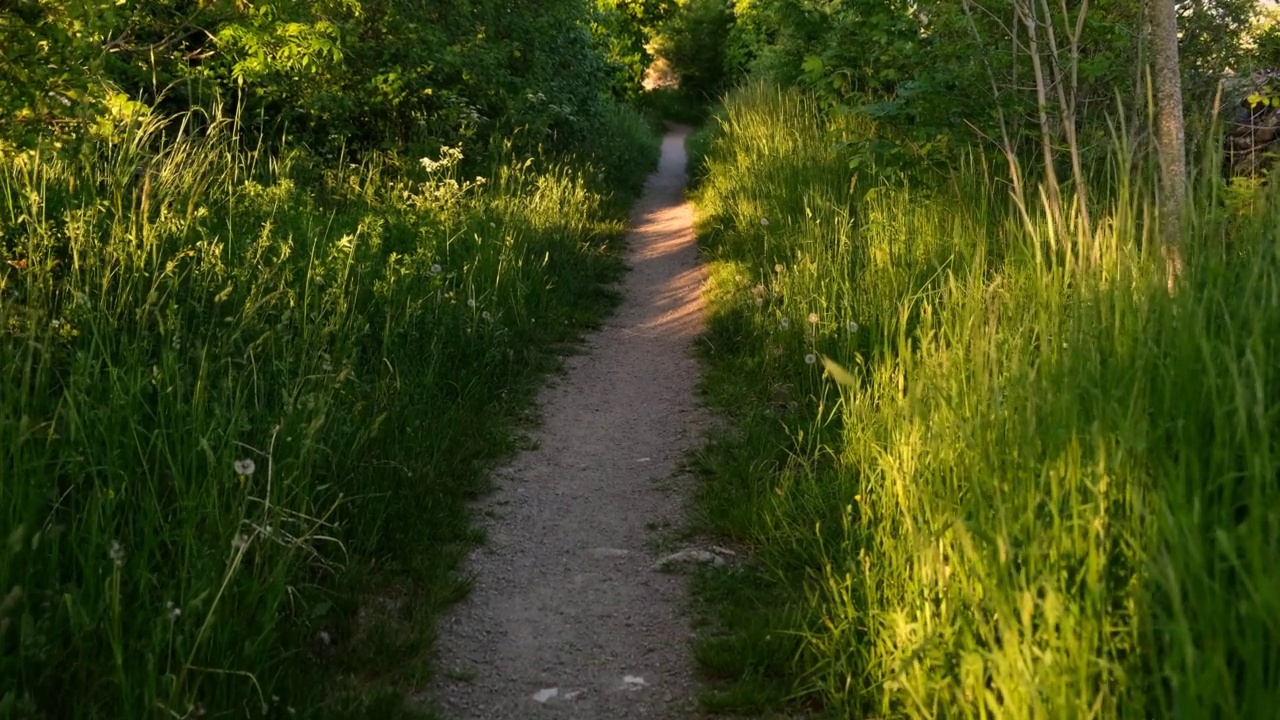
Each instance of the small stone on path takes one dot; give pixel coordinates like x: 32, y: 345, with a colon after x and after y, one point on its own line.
x: 692, y: 556
x: 544, y: 695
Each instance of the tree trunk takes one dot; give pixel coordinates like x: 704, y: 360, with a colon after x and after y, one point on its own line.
x: 1170, y: 132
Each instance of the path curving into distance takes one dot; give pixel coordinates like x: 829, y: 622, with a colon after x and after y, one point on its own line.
x: 566, y: 618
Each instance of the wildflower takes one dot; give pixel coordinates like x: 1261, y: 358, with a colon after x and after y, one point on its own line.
x: 810, y: 359
x: 471, y: 302
x: 813, y: 318
x: 245, y: 467
x: 486, y: 315
x: 117, y: 553
x: 764, y: 222
x: 853, y: 326
x: 173, y: 611
x: 784, y: 323
x: 55, y: 324
x: 777, y: 268
x: 435, y: 269
x: 857, y: 498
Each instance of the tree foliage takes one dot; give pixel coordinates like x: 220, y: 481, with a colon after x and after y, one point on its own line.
x: 363, y: 72
x: 929, y: 70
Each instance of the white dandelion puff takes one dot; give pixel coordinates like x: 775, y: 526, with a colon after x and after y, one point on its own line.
x: 810, y: 359
x: 777, y: 268
x: 764, y: 222
x: 784, y: 323
x: 436, y: 269
x: 471, y: 302
x: 240, y: 542
x: 486, y: 315
x: 853, y: 326
x: 813, y: 318
x: 245, y: 467
x: 173, y: 611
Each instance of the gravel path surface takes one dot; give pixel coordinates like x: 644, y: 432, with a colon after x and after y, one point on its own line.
x: 567, y: 618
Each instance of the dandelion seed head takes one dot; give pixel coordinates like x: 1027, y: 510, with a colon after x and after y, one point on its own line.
x: 241, y: 540
x: 245, y: 467
x: 436, y: 269
x: 486, y: 315
x: 777, y: 268
x: 117, y: 553
x: 810, y: 359
x: 853, y: 326
x: 173, y: 611
x: 471, y: 302
x: 784, y: 323
x: 764, y: 222
x: 813, y: 318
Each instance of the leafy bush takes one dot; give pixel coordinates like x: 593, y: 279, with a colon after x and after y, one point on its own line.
x: 335, y: 73
x: 694, y: 43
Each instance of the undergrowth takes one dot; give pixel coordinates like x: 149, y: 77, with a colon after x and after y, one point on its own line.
x: 246, y: 397
x: 1033, y: 481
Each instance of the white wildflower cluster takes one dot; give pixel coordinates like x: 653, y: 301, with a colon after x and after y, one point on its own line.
x: 449, y: 159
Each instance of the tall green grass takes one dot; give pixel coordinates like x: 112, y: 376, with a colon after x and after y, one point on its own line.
x: 246, y: 397
x: 1044, y: 486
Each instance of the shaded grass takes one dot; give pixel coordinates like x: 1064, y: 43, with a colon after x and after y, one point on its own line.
x: 369, y: 335
x: 1046, y: 486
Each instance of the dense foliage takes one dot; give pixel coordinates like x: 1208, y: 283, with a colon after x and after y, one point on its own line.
x: 935, y: 72
x: 333, y: 72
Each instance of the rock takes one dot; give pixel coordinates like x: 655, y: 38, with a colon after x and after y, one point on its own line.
x: 634, y: 682
x: 691, y: 556
x: 546, y: 694
x: 608, y: 552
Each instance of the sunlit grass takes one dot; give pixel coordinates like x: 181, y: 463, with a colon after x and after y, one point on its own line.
x: 244, y: 393
x: 1048, y: 488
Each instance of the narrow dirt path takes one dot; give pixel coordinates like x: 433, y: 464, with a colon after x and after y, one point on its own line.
x: 567, y: 618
